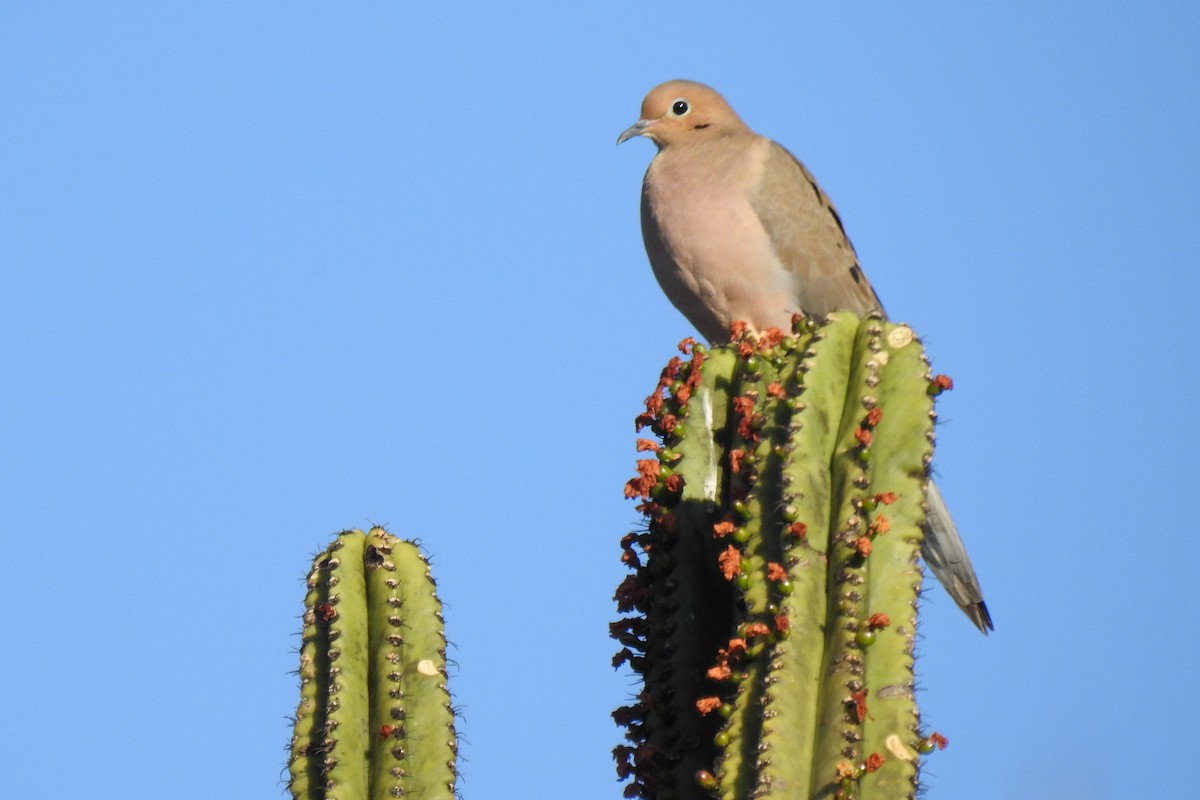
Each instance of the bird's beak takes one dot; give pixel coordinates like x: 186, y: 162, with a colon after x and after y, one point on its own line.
x: 636, y: 129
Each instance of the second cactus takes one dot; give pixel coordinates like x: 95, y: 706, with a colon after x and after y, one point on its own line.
x: 374, y: 719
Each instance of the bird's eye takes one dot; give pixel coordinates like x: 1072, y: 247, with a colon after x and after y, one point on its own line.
x: 679, y: 108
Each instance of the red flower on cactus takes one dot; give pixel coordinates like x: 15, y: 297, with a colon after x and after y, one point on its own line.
x: 649, y: 508
x: 648, y: 470
x: 776, y: 572
x: 938, y: 740
x: 730, y: 561
x: 735, y: 459
x: 631, y: 594
x: 757, y: 629
x: 873, y: 762
x: 625, y: 655
x: 722, y: 529
x: 623, y: 754
x: 736, y: 647
x: 859, y: 702
x: 720, y: 672
x: 863, y: 545
x: 628, y: 715
x: 744, y: 407
x: 706, y: 705
x: 878, y: 621
x: 693, y: 378
x: 887, y: 498
x: 798, y: 529
x: 943, y: 383
x: 862, y: 436
x: 776, y: 390
x: 644, y: 445
x: 874, y: 416
x: 670, y: 371
x: 685, y: 346
x: 771, y: 337
x: 654, y: 402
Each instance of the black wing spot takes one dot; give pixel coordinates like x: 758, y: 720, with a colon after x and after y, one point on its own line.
x: 836, y: 217
x: 701, y: 127
x: 857, y: 273
x: 816, y: 190
x: 823, y: 200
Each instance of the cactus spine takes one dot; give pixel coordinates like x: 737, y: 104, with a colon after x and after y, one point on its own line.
x: 775, y: 585
x: 374, y: 719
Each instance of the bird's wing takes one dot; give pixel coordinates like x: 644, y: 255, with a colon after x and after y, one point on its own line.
x: 808, y: 238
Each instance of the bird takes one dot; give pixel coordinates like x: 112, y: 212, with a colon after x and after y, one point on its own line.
x: 738, y: 230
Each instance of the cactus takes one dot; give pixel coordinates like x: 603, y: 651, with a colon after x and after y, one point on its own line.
x: 774, y: 588
x: 374, y: 719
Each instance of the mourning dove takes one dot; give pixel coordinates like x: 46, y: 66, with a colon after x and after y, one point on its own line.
x: 737, y: 229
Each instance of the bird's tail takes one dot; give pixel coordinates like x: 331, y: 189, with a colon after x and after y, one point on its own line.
x: 945, y: 554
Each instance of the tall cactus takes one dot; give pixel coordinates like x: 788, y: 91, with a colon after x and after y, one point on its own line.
x: 374, y: 719
x: 775, y: 584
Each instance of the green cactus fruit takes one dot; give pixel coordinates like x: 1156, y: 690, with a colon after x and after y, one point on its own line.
x: 374, y: 719
x: 772, y: 597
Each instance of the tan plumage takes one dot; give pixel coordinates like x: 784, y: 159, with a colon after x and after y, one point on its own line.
x: 737, y: 229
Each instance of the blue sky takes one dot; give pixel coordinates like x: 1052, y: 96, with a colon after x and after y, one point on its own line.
x: 272, y: 270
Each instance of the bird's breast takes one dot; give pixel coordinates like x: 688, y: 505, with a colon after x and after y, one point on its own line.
x: 707, y: 245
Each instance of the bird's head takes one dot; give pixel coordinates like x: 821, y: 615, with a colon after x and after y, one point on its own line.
x: 678, y: 112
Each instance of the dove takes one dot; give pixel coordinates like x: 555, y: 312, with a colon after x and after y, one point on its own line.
x: 737, y: 229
